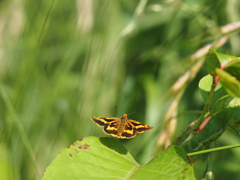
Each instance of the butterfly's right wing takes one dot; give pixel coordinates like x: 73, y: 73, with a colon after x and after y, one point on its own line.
x: 140, y: 127
x: 129, y: 131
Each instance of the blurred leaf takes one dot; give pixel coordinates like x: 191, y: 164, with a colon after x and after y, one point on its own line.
x: 104, y: 158
x: 230, y: 83
x: 6, y: 172
x: 220, y: 97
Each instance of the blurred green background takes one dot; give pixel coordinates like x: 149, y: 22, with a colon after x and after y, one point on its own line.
x: 64, y: 61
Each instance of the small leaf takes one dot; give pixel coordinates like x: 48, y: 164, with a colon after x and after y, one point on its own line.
x: 230, y: 83
x: 105, y: 158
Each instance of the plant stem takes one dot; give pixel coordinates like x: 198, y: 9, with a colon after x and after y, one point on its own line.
x: 210, y: 95
x: 200, y: 120
x: 214, y: 150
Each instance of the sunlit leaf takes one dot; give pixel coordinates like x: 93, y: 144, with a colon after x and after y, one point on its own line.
x: 105, y: 158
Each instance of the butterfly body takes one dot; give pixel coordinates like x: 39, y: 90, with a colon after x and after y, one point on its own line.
x: 121, y: 127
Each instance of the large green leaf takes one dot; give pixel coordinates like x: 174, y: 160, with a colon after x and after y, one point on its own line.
x: 105, y: 158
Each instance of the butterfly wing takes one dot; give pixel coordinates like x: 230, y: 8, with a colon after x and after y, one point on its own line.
x: 110, y: 124
x: 129, y: 131
x: 140, y: 127
x: 101, y: 121
x: 111, y: 128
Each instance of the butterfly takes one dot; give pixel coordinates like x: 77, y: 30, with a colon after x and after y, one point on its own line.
x: 121, y: 127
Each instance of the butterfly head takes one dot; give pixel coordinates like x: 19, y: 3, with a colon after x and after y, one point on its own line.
x: 124, y: 116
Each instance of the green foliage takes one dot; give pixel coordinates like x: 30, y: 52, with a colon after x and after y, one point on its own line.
x: 221, y: 107
x: 62, y: 62
x: 106, y: 158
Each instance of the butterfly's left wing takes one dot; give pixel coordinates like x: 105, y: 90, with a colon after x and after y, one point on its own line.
x: 140, y: 127
x: 101, y: 121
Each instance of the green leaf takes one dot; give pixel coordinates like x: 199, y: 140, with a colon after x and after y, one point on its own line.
x: 92, y: 157
x: 217, y: 60
x: 213, y: 129
x: 230, y: 83
x: 220, y: 97
x: 171, y: 164
x: 105, y: 158
x: 221, y: 104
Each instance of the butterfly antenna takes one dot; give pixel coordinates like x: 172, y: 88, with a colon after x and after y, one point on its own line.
x: 116, y: 107
x: 133, y: 112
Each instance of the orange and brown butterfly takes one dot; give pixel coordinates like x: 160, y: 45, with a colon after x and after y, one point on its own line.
x: 121, y: 127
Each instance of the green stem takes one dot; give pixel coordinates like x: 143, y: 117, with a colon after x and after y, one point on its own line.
x: 138, y: 11
x: 20, y: 128
x: 140, y: 8
x: 214, y: 150
x: 200, y: 120
x: 209, y: 98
